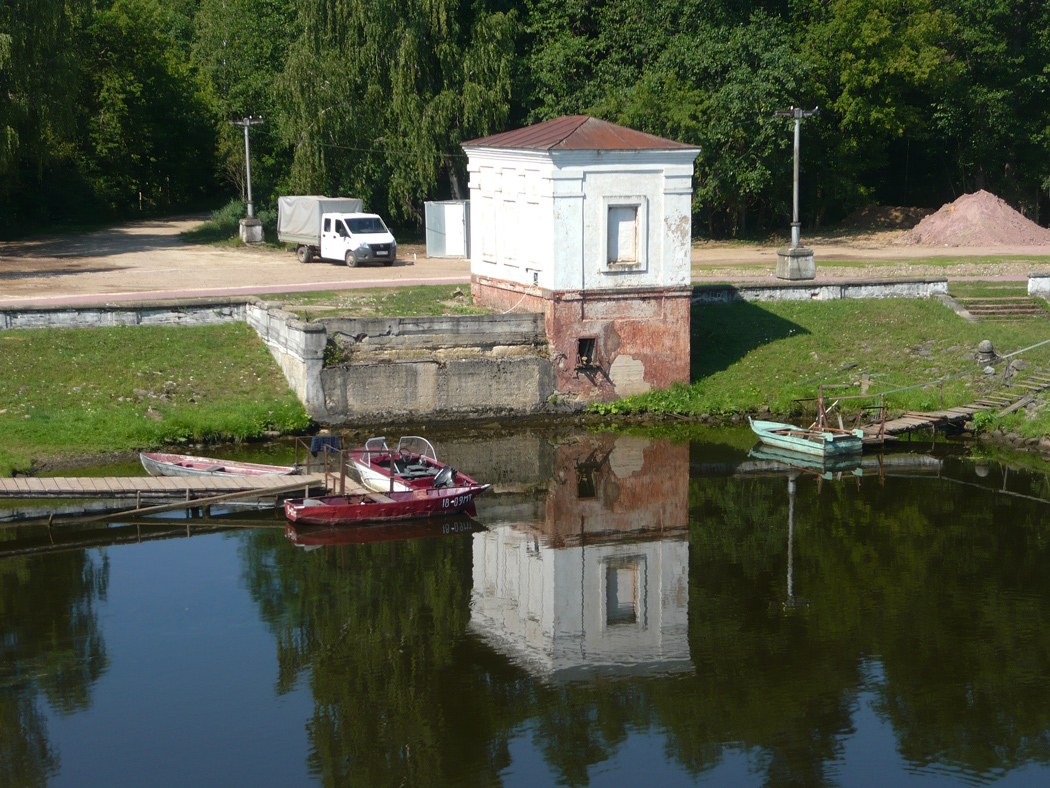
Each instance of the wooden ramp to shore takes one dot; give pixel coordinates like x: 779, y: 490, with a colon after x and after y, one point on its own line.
x: 166, y: 493
x: 913, y: 421
x: 161, y: 487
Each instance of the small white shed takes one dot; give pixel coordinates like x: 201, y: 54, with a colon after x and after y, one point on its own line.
x: 448, y: 228
x: 577, y: 210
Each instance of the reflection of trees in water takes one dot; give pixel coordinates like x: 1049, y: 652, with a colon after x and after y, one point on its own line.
x: 951, y: 606
x: 379, y: 627
x: 26, y: 756
x: 52, y: 647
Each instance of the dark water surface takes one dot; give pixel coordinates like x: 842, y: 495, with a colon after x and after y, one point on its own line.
x: 631, y: 612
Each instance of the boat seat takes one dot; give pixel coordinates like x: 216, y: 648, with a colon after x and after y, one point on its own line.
x: 214, y: 468
x: 380, y: 498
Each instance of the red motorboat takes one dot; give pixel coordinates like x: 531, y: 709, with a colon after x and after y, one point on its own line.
x: 414, y: 462
x: 382, y: 507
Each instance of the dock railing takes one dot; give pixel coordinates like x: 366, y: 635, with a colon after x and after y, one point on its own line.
x: 325, y: 454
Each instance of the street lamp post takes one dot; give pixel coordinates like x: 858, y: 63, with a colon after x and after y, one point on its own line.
x: 251, y: 227
x: 795, y: 261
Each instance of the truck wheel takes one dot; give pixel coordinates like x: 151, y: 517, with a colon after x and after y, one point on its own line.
x: 351, y: 261
x: 304, y: 253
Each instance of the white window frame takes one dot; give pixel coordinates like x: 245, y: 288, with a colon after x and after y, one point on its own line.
x: 641, y: 206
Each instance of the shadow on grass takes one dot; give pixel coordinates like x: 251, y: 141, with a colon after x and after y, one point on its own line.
x: 722, y: 334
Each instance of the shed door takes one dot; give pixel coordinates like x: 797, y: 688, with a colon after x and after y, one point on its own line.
x: 455, y: 236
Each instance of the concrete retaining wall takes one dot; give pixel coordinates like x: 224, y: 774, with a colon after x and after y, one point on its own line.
x: 1039, y: 285
x: 819, y: 291
x: 419, y: 389
x: 298, y: 348
x: 407, y: 333
x: 204, y: 312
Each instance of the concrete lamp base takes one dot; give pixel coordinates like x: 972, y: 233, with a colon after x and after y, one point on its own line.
x: 252, y: 231
x: 796, y: 263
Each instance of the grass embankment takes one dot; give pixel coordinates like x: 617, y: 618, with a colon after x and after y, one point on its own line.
x: 748, y: 355
x: 89, y: 391
x: 417, y: 301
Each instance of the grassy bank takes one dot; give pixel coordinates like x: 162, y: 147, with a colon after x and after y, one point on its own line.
x: 87, y: 391
x: 416, y: 301
x: 90, y: 391
x: 748, y: 355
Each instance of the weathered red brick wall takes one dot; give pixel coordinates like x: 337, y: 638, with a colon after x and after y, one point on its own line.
x: 641, y: 336
x: 641, y: 341
x: 506, y: 296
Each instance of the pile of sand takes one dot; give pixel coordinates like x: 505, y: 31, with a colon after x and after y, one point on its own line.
x: 978, y: 219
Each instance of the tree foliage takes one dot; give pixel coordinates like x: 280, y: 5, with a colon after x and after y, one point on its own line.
x: 920, y: 101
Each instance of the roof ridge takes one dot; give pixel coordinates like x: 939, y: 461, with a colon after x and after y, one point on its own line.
x: 577, y: 132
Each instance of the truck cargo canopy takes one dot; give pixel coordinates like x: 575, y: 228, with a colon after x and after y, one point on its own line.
x: 299, y: 218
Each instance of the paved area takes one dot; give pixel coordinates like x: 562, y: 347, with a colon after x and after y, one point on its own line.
x: 147, y: 260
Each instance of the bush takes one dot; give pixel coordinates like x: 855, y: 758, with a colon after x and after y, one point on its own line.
x: 223, y: 225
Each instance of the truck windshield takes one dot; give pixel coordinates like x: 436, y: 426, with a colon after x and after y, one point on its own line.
x: 366, y: 224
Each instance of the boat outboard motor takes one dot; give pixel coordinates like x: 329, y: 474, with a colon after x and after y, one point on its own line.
x: 446, y: 477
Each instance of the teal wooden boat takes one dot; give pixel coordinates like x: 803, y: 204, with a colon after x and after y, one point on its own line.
x: 819, y: 441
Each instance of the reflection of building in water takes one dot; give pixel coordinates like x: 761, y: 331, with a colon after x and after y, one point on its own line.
x: 600, y: 585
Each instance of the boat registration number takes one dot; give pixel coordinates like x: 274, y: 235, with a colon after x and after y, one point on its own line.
x: 459, y: 500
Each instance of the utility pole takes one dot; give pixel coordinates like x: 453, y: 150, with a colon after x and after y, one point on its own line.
x: 245, y: 123
x: 798, y: 114
x: 251, y: 228
x: 796, y: 262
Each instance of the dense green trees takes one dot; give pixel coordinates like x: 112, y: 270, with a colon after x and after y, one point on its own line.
x: 921, y: 101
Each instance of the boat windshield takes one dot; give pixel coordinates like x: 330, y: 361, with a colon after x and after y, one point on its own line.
x: 413, y: 444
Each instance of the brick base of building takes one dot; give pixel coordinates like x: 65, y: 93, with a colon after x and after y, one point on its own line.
x: 605, y: 344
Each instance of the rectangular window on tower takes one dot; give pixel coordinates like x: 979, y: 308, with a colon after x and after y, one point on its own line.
x: 626, y: 239
x: 622, y: 246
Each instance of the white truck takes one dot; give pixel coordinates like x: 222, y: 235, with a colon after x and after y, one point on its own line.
x: 333, y: 228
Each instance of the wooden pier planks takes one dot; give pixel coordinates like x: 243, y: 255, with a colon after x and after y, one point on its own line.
x: 157, y: 486
x: 918, y: 420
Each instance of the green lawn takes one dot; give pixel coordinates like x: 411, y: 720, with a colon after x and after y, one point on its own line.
x: 416, y: 301
x: 87, y: 391
x: 987, y: 289
x: 748, y: 355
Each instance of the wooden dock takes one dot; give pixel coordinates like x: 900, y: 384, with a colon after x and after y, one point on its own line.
x: 914, y: 421
x: 161, y: 487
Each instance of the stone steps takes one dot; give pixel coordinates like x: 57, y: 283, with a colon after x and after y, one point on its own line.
x: 1004, y: 308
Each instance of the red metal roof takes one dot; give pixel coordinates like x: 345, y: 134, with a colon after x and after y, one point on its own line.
x: 578, y: 132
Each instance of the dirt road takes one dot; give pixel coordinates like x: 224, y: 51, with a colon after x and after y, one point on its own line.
x: 147, y: 260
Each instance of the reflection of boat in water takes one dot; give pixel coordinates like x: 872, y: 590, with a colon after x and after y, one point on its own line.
x: 766, y: 459
x: 807, y: 462
x: 819, y: 441
x: 311, y: 536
